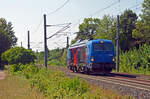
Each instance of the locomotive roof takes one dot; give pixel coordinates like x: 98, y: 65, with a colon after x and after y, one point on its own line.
x: 80, y: 43
x: 105, y: 40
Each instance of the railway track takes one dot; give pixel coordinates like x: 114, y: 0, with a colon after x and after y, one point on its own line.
x: 133, y: 85
x: 139, y: 89
x: 139, y: 84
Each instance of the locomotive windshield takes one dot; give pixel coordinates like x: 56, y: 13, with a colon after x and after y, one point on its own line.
x: 102, y: 47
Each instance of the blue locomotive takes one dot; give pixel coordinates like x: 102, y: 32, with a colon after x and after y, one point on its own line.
x: 91, y: 56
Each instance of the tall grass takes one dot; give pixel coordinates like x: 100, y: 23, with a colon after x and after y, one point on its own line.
x: 55, y: 85
x: 136, y: 60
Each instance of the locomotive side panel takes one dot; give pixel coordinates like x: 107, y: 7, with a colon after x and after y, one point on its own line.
x: 82, y: 56
x: 77, y: 58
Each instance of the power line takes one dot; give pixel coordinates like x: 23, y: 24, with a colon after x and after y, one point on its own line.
x: 58, y: 8
x: 36, y: 44
x: 134, y: 7
x: 38, y: 26
x: 62, y: 29
x: 100, y: 10
x: 59, y: 25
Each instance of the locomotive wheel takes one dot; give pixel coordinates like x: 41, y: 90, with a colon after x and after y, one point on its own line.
x: 79, y: 69
x: 75, y: 69
x: 87, y: 71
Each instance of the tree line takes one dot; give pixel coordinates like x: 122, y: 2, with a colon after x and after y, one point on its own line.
x: 134, y: 29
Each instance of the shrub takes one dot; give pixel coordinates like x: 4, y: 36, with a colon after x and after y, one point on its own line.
x: 55, y: 85
x: 136, y: 61
x: 18, y: 55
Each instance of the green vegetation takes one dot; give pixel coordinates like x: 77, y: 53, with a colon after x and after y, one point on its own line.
x: 88, y: 28
x: 136, y: 61
x: 55, y: 85
x: 7, y: 37
x: 134, y: 31
x: 56, y: 57
x: 105, y: 28
x: 142, y: 31
x: 18, y: 55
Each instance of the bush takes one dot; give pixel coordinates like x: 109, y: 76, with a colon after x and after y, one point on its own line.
x: 18, y: 55
x: 56, y: 85
x: 59, y: 61
x: 136, y: 61
x: 53, y: 84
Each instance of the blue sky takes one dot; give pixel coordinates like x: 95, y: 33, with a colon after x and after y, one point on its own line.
x: 28, y: 15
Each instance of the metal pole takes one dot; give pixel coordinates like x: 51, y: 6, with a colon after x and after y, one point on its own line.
x: 117, y: 44
x: 28, y: 39
x: 67, y: 42
x: 45, y: 41
x: 21, y: 44
x: 37, y: 58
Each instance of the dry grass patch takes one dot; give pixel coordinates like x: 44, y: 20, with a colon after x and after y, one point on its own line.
x: 14, y: 87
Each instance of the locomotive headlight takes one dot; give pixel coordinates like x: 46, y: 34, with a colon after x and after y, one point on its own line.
x: 92, y: 59
x: 113, y: 59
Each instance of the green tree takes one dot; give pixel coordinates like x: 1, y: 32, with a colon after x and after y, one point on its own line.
x: 7, y: 37
x: 18, y: 55
x: 145, y: 16
x: 141, y: 31
x: 107, y: 28
x: 127, y: 25
x: 88, y: 28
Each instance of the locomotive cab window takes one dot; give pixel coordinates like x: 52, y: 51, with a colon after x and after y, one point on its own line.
x: 102, y: 47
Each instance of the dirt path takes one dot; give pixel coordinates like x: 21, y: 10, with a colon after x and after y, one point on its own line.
x: 2, y: 75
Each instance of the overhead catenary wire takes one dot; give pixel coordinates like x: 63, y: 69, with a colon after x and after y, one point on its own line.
x: 58, y: 8
x: 58, y: 25
x: 101, y: 10
x: 98, y: 11
x: 38, y: 26
x: 134, y: 7
x: 88, y: 15
x: 62, y: 29
x: 36, y: 44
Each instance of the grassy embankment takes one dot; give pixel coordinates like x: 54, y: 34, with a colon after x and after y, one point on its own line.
x: 14, y: 87
x: 24, y: 79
